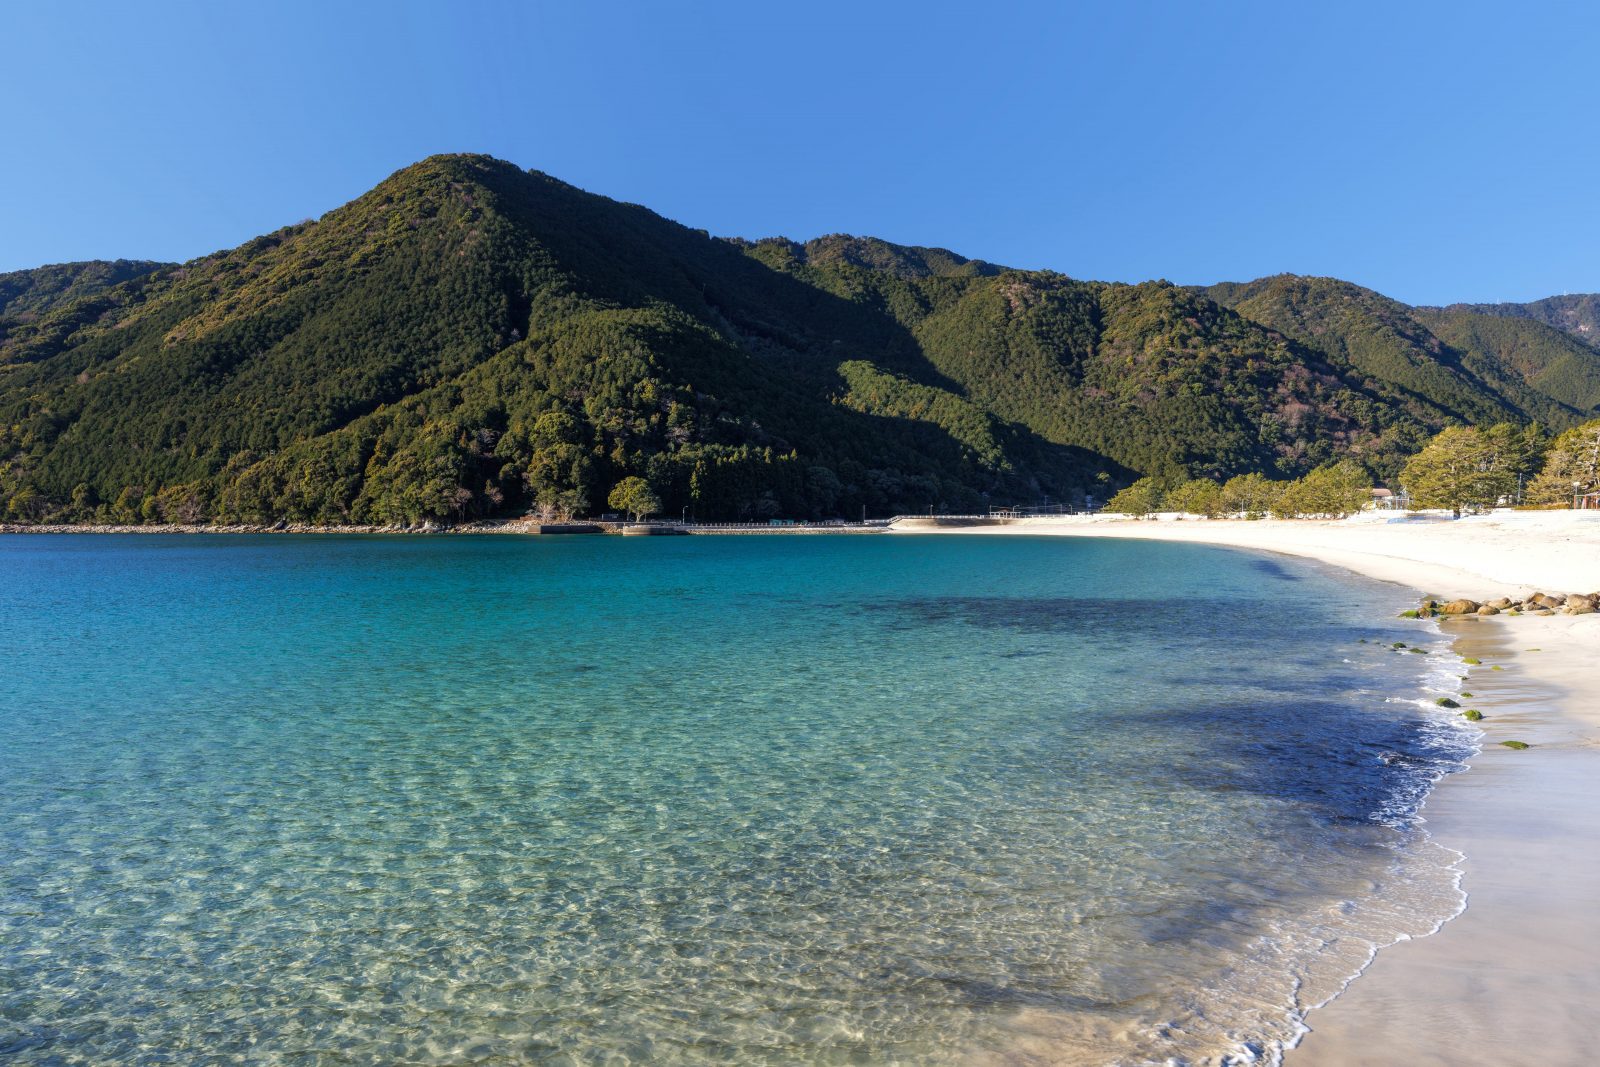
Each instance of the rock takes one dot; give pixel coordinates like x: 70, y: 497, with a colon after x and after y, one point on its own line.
x: 1446, y: 702
x: 1542, y: 611
x: 1580, y: 605
x: 1472, y: 715
x: 1459, y: 607
x: 1518, y: 745
x: 1502, y: 603
x: 1488, y: 609
x: 1471, y: 661
x: 1545, y: 600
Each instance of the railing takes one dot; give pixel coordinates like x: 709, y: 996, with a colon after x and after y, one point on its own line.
x: 693, y: 527
x: 1038, y: 509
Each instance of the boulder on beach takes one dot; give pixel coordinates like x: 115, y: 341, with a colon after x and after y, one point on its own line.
x: 1488, y: 609
x: 1459, y: 607
x: 1502, y: 603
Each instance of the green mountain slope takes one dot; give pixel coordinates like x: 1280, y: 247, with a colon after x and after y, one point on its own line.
x: 1575, y: 314
x: 1394, y: 347
x: 470, y: 339
x: 27, y: 294
x: 1551, y: 361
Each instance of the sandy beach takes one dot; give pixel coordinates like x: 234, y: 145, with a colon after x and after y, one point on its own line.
x: 1513, y: 981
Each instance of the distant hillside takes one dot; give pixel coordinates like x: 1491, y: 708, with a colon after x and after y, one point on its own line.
x: 471, y: 339
x: 25, y: 295
x: 1577, y: 315
x: 1476, y: 371
x: 29, y: 293
x: 1555, y: 363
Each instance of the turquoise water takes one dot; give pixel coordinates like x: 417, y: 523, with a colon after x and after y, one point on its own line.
x: 747, y: 800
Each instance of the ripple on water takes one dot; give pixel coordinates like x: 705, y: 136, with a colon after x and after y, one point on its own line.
x: 821, y: 801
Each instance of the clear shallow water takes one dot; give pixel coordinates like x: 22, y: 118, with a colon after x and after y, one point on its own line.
x: 754, y: 800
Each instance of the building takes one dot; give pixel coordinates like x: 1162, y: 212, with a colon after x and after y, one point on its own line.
x: 1387, y: 500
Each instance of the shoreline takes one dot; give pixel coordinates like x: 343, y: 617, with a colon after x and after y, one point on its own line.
x: 1511, y: 978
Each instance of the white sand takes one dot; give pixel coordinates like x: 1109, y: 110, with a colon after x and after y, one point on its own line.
x: 1515, y: 980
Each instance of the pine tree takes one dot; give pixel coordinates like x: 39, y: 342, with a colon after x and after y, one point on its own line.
x: 1460, y: 469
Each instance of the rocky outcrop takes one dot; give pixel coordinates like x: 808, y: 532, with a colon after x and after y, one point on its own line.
x: 1544, y: 604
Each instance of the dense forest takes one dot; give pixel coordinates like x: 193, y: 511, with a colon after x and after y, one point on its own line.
x: 471, y: 340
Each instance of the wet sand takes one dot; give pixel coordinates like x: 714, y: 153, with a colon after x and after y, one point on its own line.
x: 1515, y: 979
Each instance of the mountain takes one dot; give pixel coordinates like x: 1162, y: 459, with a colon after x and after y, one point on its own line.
x: 1474, y: 375
x: 1549, y: 360
x: 27, y: 294
x: 1576, y: 314
x: 471, y: 339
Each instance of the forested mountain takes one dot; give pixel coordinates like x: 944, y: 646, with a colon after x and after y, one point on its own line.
x: 1519, y: 371
x: 1549, y: 360
x: 470, y: 339
x: 25, y: 295
x: 1577, y: 314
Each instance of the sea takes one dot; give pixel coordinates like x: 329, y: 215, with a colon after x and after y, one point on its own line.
x: 755, y: 800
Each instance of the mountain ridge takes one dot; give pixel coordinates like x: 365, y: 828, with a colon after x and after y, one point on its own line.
x: 470, y: 339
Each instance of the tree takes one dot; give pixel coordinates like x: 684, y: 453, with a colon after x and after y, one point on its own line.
x: 1251, y: 495
x: 1519, y: 449
x: 634, y: 496
x: 1333, y: 491
x: 1459, y: 469
x: 125, y: 509
x: 26, y: 504
x: 1141, y: 498
x: 83, y: 502
x: 823, y: 487
x: 1574, y: 457
x: 1201, y: 496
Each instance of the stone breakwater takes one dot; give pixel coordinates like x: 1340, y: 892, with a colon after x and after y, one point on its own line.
x: 486, y: 526
x: 1533, y: 604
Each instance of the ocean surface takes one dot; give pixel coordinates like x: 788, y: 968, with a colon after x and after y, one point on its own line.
x: 743, y: 800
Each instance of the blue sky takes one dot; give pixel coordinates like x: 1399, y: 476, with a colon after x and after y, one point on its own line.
x: 1435, y: 152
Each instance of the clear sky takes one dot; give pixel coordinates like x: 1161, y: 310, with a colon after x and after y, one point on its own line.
x: 1435, y: 152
